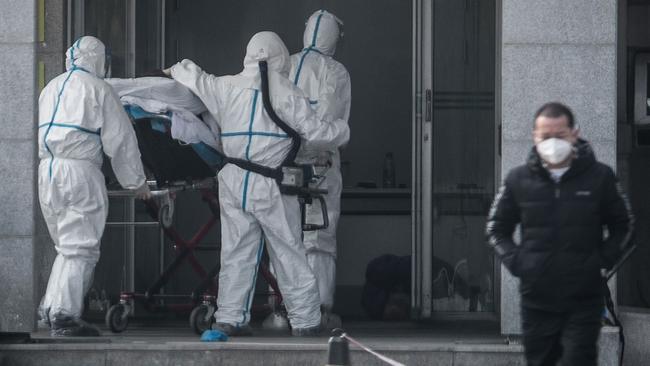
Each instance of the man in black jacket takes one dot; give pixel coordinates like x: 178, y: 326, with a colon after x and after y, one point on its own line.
x: 563, y: 199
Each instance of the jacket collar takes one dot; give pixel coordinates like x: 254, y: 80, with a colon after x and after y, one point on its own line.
x: 583, y: 159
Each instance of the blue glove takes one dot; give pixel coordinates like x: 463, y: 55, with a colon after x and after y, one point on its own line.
x: 213, y: 336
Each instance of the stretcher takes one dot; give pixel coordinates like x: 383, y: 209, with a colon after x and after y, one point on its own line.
x: 176, y: 166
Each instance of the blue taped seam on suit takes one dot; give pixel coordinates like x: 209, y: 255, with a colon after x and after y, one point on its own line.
x: 309, y: 49
x: 49, y: 127
x: 254, y: 133
x: 65, y: 125
x: 249, y: 296
x: 248, y: 147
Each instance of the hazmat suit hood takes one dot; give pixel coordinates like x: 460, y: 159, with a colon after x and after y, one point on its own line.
x: 322, y: 32
x: 266, y: 46
x: 87, y: 53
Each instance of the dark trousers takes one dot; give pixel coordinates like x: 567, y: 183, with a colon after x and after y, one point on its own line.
x: 570, y: 336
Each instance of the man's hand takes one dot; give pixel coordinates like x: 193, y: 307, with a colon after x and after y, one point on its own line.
x: 143, y: 193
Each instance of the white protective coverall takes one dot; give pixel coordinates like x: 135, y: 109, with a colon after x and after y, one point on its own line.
x: 79, y: 116
x: 327, y: 84
x: 252, y: 208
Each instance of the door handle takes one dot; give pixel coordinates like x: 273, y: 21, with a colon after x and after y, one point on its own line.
x: 428, y: 103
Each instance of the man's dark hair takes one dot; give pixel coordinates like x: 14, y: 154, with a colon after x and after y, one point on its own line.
x: 555, y: 110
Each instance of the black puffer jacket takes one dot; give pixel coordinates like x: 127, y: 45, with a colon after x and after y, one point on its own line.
x: 563, y: 245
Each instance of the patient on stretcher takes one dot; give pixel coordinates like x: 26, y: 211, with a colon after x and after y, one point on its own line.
x: 177, y: 137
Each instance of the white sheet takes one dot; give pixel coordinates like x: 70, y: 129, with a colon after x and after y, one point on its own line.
x: 161, y: 95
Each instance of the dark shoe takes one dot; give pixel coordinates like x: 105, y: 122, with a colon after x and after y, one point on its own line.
x: 330, y: 321
x: 233, y: 330
x: 307, y: 332
x: 69, y: 327
x: 44, y: 319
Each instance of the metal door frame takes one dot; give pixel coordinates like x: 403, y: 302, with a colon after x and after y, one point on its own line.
x: 422, y: 210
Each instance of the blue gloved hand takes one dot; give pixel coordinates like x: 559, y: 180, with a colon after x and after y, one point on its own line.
x: 214, y: 336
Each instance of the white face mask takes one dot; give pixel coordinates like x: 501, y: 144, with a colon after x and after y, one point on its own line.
x: 554, y: 150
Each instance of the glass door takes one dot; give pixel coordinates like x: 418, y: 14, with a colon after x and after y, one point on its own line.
x: 454, y: 153
x: 121, y: 25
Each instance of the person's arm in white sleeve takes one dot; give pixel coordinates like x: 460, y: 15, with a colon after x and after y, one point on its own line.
x: 319, y: 134
x: 214, y: 128
x: 120, y: 144
x: 335, y: 94
x: 202, y: 84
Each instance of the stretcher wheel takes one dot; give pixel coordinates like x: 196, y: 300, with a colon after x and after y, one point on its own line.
x: 115, y: 320
x: 200, y: 320
x: 165, y: 217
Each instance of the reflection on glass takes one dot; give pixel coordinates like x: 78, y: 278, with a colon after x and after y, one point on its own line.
x: 106, y: 20
x: 464, y: 150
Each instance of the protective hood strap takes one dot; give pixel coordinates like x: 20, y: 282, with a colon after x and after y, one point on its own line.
x: 274, y: 173
x: 266, y: 100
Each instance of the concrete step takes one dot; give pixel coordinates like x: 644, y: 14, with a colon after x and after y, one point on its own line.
x: 636, y: 326
x: 249, y: 353
x: 171, y: 349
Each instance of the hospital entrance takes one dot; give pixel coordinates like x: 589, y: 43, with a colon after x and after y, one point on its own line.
x: 419, y: 173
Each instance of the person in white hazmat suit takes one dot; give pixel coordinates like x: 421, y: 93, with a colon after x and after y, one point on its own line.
x: 79, y: 117
x: 253, y: 211
x: 327, y: 84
